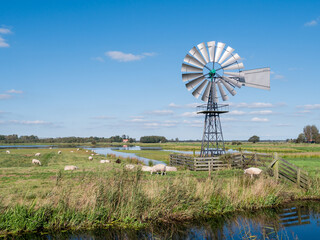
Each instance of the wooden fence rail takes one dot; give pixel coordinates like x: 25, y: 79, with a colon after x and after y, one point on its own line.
x: 281, y: 168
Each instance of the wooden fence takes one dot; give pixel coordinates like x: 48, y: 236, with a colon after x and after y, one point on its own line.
x: 278, y: 167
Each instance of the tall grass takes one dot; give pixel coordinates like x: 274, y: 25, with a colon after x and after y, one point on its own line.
x: 133, y: 198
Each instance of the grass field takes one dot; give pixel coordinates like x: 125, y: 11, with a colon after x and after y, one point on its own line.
x: 39, y: 198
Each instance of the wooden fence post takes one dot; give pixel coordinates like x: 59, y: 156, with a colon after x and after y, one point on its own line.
x: 255, y: 158
x: 276, y: 166
x: 209, y: 166
x: 298, y: 176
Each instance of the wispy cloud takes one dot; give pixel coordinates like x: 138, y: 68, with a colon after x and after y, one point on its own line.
x: 312, y: 23
x: 3, y: 43
x: 173, y: 105
x: 252, y: 105
x: 15, y: 91
x: 282, y: 125
x: 160, y: 112
x: 256, y: 119
x: 99, y: 59
x: 5, y: 96
x: 236, y: 112
x: 262, y: 112
x: 25, y: 122
x: 127, y: 57
x: 189, y: 114
x: 5, y: 31
x: 309, y: 106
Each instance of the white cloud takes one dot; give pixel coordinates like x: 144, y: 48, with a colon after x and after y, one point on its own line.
x: 5, y: 31
x: 192, y: 105
x: 15, y: 91
x: 24, y: 122
x: 3, y: 43
x: 161, y: 112
x: 150, y: 54
x: 282, y: 125
x: 127, y: 57
x: 309, y: 106
x: 256, y: 119
x: 252, y: 105
x: 173, y: 105
x: 189, y: 114
x: 99, y: 59
x: 5, y: 96
x: 312, y: 23
x: 137, y: 120
x: 278, y: 76
x: 236, y: 112
x: 262, y: 112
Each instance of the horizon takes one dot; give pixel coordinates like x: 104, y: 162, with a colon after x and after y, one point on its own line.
x: 81, y: 68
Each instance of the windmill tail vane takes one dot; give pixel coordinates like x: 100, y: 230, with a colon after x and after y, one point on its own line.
x: 208, y: 69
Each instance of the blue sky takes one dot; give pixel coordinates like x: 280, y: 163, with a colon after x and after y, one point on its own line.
x: 103, y: 68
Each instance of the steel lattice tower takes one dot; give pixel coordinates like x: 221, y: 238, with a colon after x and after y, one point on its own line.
x: 212, y: 140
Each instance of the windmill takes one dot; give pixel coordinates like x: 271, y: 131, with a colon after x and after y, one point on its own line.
x: 208, y: 68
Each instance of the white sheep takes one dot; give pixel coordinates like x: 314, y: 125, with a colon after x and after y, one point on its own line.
x: 78, y: 149
x: 90, y: 158
x: 59, y: 152
x: 159, y: 168
x: 97, y: 154
x: 92, y: 154
x: 7, y: 152
x: 171, y: 169
x: 146, y: 169
x: 70, y: 168
x: 86, y: 150
x: 104, y: 161
x: 37, y: 154
x: 130, y: 166
x: 252, y: 171
x: 71, y: 151
x: 36, y: 162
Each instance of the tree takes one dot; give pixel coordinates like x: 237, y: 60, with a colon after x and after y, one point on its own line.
x: 153, y: 139
x: 254, y: 139
x: 301, y: 138
x: 311, y: 133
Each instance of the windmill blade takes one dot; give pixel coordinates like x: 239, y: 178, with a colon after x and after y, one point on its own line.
x: 219, y: 50
x: 194, y: 83
x: 205, y: 95
x: 228, y: 87
x: 257, y: 78
x: 234, y: 74
x: 211, y: 47
x: 222, y: 92
x: 203, y: 50
x: 194, y: 52
x: 234, y: 66
x: 190, y: 76
x: 188, y: 68
x: 215, y: 93
x: 226, y: 54
x: 231, y: 60
x: 196, y: 93
x: 232, y: 81
x: 193, y: 61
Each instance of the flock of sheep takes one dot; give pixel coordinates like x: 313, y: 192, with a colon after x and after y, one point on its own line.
x: 159, y: 168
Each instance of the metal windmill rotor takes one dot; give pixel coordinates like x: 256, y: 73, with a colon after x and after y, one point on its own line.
x: 209, y: 67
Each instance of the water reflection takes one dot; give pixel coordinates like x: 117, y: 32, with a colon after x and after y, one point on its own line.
x: 295, y: 221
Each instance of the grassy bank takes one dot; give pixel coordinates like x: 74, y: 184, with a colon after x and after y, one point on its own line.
x: 34, y: 198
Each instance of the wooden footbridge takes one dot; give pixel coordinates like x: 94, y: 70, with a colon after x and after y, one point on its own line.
x: 271, y: 163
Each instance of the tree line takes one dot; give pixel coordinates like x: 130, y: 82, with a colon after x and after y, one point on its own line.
x: 310, y: 134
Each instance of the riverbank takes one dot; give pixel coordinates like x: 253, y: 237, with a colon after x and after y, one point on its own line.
x: 45, y: 198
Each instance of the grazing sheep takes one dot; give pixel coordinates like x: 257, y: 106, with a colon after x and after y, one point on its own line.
x: 130, y: 166
x: 50, y: 147
x: 71, y: 151
x: 70, y: 168
x: 59, y: 152
x: 92, y: 154
x: 87, y: 151
x: 78, y: 149
x: 252, y: 171
x: 146, y: 169
x: 90, y: 158
x: 171, y: 169
x: 37, y: 154
x: 7, y: 152
x: 97, y: 154
x: 36, y: 162
x: 104, y: 161
x: 118, y: 161
x: 159, y: 168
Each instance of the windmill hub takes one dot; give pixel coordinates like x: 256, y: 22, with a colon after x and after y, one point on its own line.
x: 210, y: 69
